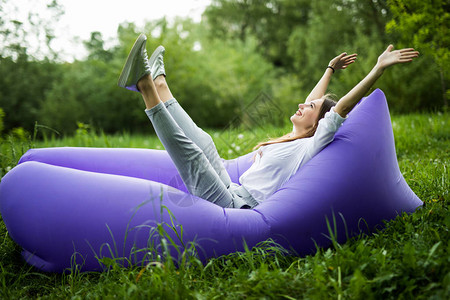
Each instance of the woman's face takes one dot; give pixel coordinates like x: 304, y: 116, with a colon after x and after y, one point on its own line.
x: 306, y: 116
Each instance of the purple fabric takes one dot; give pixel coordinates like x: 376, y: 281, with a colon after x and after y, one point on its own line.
x: 104, y: 202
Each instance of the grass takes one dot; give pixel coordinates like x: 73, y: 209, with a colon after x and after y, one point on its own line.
x: 408, y: 259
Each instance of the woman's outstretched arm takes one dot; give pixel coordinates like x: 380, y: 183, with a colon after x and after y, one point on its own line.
x: 339, y: 62
x: 385, y: 60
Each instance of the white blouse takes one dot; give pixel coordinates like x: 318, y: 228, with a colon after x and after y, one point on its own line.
x: 278, y: 162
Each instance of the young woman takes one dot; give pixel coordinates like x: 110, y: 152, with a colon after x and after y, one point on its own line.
x: 194, y: 153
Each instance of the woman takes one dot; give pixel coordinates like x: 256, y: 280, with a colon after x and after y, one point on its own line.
x: 193, y: 151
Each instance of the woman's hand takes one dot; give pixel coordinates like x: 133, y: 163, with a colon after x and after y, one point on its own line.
x: 339, y: 62
x: 342, y: 61
x: 389, y: 57
x: 386, y: 59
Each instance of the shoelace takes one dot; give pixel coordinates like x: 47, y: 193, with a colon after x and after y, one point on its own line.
x: 145, y: 58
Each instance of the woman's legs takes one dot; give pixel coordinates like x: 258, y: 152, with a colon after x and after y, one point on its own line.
x: 202, y: 139
x: 195, y: 169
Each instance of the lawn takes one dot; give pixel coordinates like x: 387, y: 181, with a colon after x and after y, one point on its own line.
x: 408, y: 259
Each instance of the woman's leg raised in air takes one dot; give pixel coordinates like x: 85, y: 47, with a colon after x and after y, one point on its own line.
x: 202, y: 139
x: 195, y: 169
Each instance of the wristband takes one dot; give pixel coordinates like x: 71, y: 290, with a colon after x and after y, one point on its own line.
x: 331, y: 68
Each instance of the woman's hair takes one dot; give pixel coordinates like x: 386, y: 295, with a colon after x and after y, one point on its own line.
x: 328, y: 103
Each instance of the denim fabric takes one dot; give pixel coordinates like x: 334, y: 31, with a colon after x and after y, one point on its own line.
x: 195, y: 156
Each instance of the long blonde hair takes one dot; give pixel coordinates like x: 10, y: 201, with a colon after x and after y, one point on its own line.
x: 328, y: 103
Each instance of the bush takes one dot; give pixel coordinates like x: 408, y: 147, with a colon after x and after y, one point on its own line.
x: 23, y: 85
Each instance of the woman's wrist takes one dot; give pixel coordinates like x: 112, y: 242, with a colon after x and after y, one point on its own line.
x: 331, y: 68
x: 378, y: 68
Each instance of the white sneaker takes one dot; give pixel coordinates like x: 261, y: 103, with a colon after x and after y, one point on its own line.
x: 156, y: 62
x: 136, y: 66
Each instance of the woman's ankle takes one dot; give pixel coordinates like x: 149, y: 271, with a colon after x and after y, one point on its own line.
x: 144, y: 83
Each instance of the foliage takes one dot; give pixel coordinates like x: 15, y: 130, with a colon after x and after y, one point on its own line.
x: 274, y: 22
x: 23, y: 87
x: 424, y: 24
x: 216, y: 69
x: 407, y: 259
x: 219, y: 75
x: 207, y: 76
x: 314, y: 33
x: 87, y: 92
x: 269, y: 21
x: 29, y: 31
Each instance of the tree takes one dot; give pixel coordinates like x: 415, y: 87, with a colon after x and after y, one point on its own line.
x: 300, y: 37
x: 96, y: 47
x: 23, y: 86
x: 269, y: 21
x: 272, y: 22
x: 426, y: 23
x: 26, y: 70
x: 28, y: 30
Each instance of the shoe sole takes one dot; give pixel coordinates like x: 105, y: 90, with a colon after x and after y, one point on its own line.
x: 127, y: 67
x: 155, y: 54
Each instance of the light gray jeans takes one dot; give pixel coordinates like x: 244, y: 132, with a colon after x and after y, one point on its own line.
x: 195, y: 156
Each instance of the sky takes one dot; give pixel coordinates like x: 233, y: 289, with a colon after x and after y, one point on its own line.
x: 85, y: 16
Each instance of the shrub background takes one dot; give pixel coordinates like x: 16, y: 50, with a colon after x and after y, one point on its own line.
x: 220, y: 65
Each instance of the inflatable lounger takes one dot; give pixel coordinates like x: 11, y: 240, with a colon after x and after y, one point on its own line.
x: 78, y: 205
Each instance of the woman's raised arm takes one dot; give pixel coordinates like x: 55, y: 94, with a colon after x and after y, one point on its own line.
x: 339, y: 62
x: 385, y: 60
